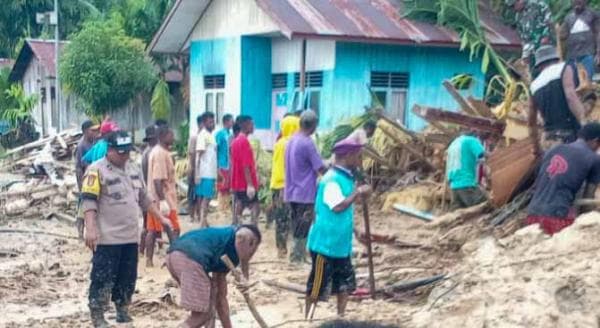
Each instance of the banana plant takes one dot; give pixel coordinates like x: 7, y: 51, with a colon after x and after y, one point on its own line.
x: 161, y: 100
x: 462, y: 16
x: 21, y: 107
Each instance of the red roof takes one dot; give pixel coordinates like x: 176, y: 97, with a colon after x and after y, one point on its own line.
x: 375, y: 20
x: 43, y: 50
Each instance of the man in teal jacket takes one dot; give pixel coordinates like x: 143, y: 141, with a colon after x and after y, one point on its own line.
x: 330, y: 237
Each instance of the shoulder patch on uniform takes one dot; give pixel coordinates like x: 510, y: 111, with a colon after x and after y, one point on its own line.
x: 90, y: 188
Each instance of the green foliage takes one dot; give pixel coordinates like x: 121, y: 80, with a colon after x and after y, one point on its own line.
x: 19, y: 106
x: 104, y: 67
x: 161, y: 100
x: 342, y: 131
x: 5, y: 101
x: 461, y: 16
x: 183, y: 135
x: 141, y: 18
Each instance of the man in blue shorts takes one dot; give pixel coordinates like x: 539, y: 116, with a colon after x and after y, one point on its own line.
x: 206, y: 163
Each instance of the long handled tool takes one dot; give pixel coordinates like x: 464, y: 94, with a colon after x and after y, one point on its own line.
x: 365, y: 207
x: 238, y: 277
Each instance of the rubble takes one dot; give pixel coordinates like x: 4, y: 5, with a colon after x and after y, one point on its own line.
x: 39, y: 177
x: 525, y: 280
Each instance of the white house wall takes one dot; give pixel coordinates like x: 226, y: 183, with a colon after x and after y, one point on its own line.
x: 286, y: 55
x: 32, y: 84
x: 232, y: 18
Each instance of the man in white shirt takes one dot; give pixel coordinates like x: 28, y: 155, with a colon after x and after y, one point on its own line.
x: 206, y: 161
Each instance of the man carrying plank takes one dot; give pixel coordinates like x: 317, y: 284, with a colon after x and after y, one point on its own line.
x: 330, y: 237
x: 196, y: 254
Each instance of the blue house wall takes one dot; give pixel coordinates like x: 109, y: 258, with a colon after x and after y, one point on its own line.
x: 256, y: 80
x: 214, y: 57
x: 246, y: 62
x: 345, y: 91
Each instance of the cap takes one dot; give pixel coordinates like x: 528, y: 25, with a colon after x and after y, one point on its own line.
x: 121, y: 141
x: 545, y: 53
x: 346, y: 146
x: 108, y: 126
x: 87, y: 124
x: 150, y: 133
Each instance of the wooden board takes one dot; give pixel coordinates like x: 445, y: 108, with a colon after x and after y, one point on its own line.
x: 508, y: 168
x: 472, y: 122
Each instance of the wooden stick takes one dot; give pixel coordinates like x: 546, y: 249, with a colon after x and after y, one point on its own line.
x: 412, y: 284
x: 238, y: 277
x: 296, y: 288
x: 365, y: 206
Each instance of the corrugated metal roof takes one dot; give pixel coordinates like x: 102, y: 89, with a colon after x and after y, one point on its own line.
x: 360, y: 20
x: 375, y: 20
x: 43, y: 50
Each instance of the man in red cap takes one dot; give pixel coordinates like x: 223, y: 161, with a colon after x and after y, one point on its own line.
x: 101, y: 147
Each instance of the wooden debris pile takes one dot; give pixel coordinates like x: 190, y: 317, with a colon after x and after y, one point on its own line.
x: 396, y: 152
x: 39, y: 178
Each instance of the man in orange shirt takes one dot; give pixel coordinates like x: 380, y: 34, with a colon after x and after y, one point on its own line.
x: 162, y: 188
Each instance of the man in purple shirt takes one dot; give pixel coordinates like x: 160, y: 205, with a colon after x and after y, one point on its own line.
x: 303, y: 164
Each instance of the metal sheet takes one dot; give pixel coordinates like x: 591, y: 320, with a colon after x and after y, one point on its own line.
x: 360, y: 20
x: 372, y: 19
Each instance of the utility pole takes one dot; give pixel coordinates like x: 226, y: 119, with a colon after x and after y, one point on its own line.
x: 57, y: 79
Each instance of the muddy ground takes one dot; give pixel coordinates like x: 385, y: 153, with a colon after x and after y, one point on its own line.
x: 503, y: 277
x: 44, y: 279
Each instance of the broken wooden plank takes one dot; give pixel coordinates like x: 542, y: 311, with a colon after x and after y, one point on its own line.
x: 372, y: 153
x: 508, y: 168
x: 381, y: 115
x: 471, y: 122
x: 21, y: 193
x: 41, y: 142
x: 481, y: 107
x: 462, y: 102
x: 401, y: 143
x: 461, y: 215
x: 414, y: 212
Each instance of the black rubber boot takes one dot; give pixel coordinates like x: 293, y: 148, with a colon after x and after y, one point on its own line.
x: 123, y: 314
x: 98, y: 320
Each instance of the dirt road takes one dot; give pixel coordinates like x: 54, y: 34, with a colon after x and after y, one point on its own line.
x: 44, y: 282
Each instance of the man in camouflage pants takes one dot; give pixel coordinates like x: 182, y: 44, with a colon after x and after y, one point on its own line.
x: 533, y: 20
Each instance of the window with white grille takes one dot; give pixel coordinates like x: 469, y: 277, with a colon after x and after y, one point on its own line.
x: 390, y: 91
x: 214, y: 95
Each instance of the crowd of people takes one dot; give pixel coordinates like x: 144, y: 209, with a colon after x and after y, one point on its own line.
x: 312, y: 200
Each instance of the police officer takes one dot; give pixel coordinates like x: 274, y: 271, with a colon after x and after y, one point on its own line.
x: 113, y: 190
